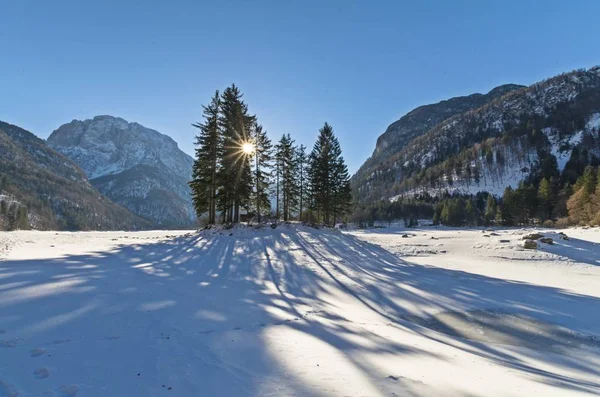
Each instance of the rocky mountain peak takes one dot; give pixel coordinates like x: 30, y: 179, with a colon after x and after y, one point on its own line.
x: 131, y: 163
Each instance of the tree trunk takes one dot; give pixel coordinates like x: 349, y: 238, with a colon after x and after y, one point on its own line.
x: 236, y: 217
x: 277, y: 200
x: 257, y: 187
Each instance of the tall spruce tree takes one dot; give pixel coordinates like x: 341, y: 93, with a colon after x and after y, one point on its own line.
x: 287, y: 164
x: 301, y: 164
x: 236, y: 174
x: 545, y: 199
x: 490, y: 210
x: 329, y: 177
x: 277, y: 187
x: 341, y: 191
x: 209, y: 150
x: 263, y: 152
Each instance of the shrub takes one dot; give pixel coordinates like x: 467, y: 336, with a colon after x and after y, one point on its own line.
x: 562, y: 223
x: 548, y: 223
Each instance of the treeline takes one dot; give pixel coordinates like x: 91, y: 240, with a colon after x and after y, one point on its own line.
x: 238, y: 172
x: 545, y: 202
x: 407, y: 209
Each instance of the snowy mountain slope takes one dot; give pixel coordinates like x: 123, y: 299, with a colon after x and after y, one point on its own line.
x: 419, y: 121
x: 137, y: 167
x: 54, y: 189
x: 298, y: 311
x: 519, y: 159
x: 563, y: 108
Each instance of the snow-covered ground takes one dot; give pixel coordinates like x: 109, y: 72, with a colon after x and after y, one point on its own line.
x: 298, y: 311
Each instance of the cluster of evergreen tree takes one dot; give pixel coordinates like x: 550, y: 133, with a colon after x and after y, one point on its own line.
x: 407, y: 209
x: 238, y: 169
x: 13, y: 215
x: 534, y: 201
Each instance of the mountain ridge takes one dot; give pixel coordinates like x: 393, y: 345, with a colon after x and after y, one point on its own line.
x: 544, y: 106
x: 419, y: 120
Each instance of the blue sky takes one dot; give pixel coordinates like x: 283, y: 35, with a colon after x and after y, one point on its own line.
x: 359, y: 65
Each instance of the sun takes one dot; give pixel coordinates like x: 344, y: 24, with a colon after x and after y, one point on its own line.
x: 248, y: 148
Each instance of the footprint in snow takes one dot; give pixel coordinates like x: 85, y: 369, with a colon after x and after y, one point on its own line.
x: 68, y: 391
x: 41, y: 373
x: 37, y: 352
x: 9, y: 343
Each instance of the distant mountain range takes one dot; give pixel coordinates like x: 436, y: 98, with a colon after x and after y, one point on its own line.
x: 136, y: 167
x: 487, y: 142
x: 43, y: 189
x: 107, y: 173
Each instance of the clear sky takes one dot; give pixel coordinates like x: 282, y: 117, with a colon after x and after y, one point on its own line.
x: 359, y: 65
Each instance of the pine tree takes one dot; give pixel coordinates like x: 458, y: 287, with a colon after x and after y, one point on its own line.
x: 235, y: 173
x: 278, y: 168
x: 509, y: 207
x: 263, y: 152
x: 301, y: 165
x: 342, y: 193
x: 209, y: 152
x: 588, y: 180
x: 329, y: 177
x: 287, y: 165
x: 22, y: 221
x: 582, y: 204
x: 545, y: 199
x: 490, y: 210
x: 470, y: 213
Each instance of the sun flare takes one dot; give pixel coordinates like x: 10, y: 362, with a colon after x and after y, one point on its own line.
x: 248, y: 148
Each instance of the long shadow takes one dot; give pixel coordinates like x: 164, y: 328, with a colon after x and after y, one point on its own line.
x: 192, y: 295
x: 575, y: 249
x: 451, y: 290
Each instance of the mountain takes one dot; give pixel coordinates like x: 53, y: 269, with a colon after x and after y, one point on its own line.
x: 136, y: 167
x: 486, y: 144
x: 43, y: 189
x: 419, y: 121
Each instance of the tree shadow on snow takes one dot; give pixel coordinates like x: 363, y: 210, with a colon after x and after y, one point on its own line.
x: 211, y: 300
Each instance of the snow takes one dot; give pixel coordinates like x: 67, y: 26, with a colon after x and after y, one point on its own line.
x: 299, y: 311
x: 594, y: 122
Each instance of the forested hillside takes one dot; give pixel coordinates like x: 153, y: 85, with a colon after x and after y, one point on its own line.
x: 42, y: 189
x: 496, y: 145
x: 528, y: 149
